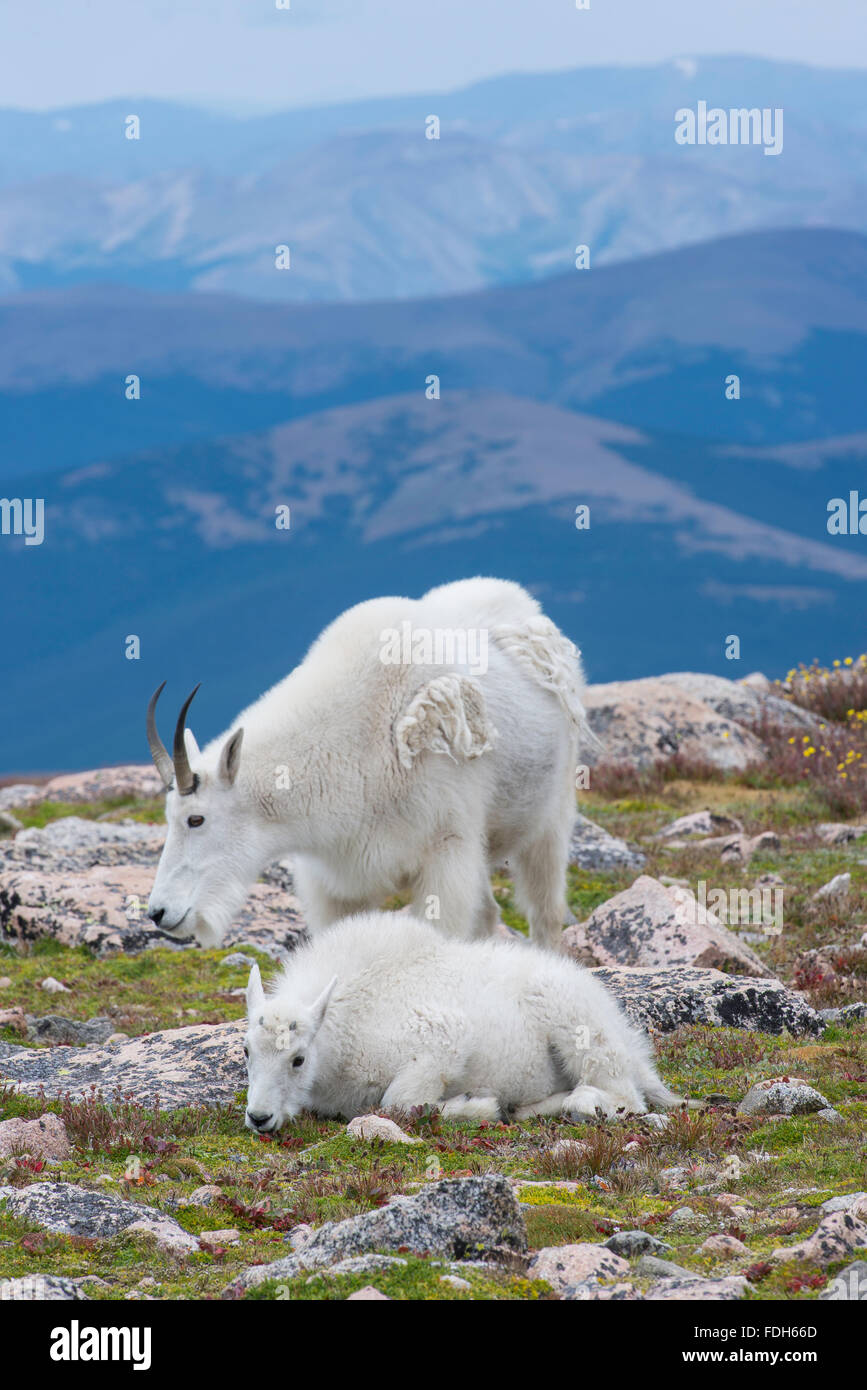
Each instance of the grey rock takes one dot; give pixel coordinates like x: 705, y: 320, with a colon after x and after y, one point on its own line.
x: 683, y: 1216
x: 844, y: 1203
x: 666, y: 999
x: 631, y: 1243
x: 70, y: 1210
x: 591, y: 847
x: 594, y: 1292
x: 42, y: 1288
x: 837, y: 887
x: 700, y: 823
x: 782, y: 1096
x: 199, y: 1065
x: 86, y: 841
x: 457, y: 1218
x: 651, y: 1266
x: 693, y: 1290
x: 236, y: 960
x: 847, y: 1014
x: 70, y: 1032
x: 19, y: 795
x: 364, y: 1264
x: 839, y: 833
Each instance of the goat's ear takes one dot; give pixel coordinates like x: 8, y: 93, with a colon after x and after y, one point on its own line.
x: 317, y: 1010
x: 190, y: 741
x: 230, y: 758
x: 255, y: 992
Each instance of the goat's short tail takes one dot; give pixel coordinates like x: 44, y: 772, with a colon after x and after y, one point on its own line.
x: 540, y: 649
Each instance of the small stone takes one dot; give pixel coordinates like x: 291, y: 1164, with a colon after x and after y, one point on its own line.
x: 683, y: 1216
x: 236, y: 960
x: 212, y: 1240
x: 117, y: 1037
x: 565, y: 1266
x: 369, y: 1127
x: 726, y: 1247
x: 202, y: 1196
x: 5, y: 982
x: 830, y: 1115
x: 454, y: 1281
x: 837, y: 887
x: 14, y: 1019
x: 782, y: 1095
x: 44, y: 1138
x: 630, y: 1243
x: 568, y: 1149
x: 52, y: 986
x: 650, y: 1265
x: 656, y: 1121
x: 368, y: 1295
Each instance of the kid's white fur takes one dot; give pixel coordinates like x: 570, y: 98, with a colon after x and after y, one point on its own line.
x: 386, y: 1011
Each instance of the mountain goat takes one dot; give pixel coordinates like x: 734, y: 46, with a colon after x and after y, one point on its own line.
x: 419, y: 744
x: 383, y: 1012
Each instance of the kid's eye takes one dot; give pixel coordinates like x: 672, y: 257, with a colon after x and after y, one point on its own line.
x: 297, y: 1061
x: 193, y: 821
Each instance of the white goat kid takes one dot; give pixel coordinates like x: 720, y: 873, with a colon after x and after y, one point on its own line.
x: 384, y: 1012
x: 387, y: 776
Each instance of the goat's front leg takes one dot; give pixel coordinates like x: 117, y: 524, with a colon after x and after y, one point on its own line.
x: 453, y: 888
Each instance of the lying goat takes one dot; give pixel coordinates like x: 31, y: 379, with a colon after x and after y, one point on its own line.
x: 390, y: 761
x: 384, y: 1011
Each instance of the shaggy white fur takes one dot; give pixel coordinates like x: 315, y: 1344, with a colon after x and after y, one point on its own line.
x: 391, y: 1012
x: 382, y: 778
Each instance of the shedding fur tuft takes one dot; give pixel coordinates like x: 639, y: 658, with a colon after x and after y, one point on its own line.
x: 447, y: 716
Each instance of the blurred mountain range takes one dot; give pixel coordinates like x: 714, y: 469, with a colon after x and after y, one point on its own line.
x: 526, y: 168
x: 462, y: 392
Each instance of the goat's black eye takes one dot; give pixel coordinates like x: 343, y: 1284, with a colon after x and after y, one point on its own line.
x: 297, y: 1061
x: 194, y: 821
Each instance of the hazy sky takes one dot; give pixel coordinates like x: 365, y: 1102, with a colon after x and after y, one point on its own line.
x: 247, y: 53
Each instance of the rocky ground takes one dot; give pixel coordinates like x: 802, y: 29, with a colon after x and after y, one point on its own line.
x: 125, y: 1169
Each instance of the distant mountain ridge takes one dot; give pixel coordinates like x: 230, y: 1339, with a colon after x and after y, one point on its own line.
x: 649, y: 344
x: 527, y: 167
x: 686, y: 544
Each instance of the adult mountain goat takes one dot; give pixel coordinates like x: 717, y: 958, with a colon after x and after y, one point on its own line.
x: 391, y: 1013
x: 418, y: 744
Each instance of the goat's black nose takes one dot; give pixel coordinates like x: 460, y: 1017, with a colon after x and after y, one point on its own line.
x: 259, y: 1121
x: 157, y: 916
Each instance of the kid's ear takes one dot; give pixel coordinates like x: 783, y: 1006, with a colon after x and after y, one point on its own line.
x: 255, y: 991
x: 317, y: 1010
